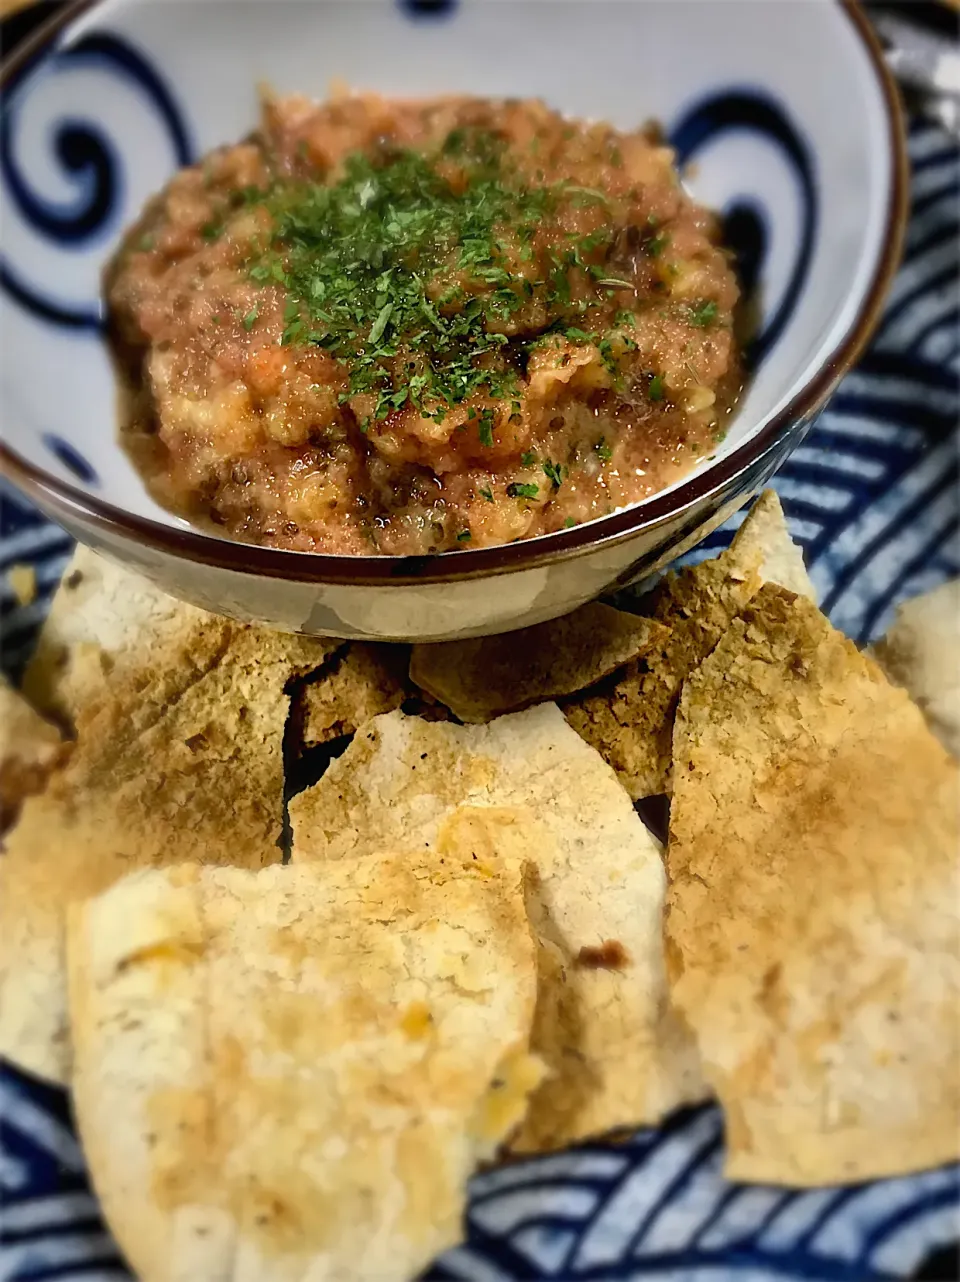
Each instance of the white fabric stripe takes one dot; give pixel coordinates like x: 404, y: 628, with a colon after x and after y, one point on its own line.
x: 607, y: 1238
x: 828, y: 497
x: 570, y: 1166
x: 926, y: 141
x: 796, y: 1219
x: 545, y: 1246
x: 878, y: 575
x: 941, y: 344
x: 741, y: 1218
x: 56, y: 1252
x: 843, y: 1233
x: 14, y: 1174
x: 41, y: 1212
x: 683, y: 1217
x: 932, y: 179
x: 881, y: 519
x: 861, y: 428
x: 943, y: 211
x: 465, y: 1264
x: 31, y: 542
x: 502, y: 1214
x: 886, y: 389
x: 830, y: 460
x: 904, y: 1251
x: 905, y: 330
x: 21, y: 1114
x: 922, y: 270
x: 803, y: 531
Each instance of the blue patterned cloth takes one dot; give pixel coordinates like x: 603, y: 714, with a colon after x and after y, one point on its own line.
x: 872, y: 495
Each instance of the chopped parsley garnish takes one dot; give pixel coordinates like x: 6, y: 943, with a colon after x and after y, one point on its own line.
x: 251, y: 317
x: 657, y: 244
x: 485, y: 429
x: 463, y: 536
x: 211, y: 230
x: 516, y: 490
x: 702, y: 314
x: 655, y: 388
x: 528, y: 458
x: 603, y: 451
x: 569, y: 523
x: 553, y: 473
x: 487, y: 494
x: 412, y: 278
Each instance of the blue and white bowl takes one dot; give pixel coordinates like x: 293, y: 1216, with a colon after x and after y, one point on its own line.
x: 783, y: 111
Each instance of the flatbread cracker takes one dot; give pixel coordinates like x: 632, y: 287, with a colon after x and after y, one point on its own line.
x: 921, y: 652
x: 528, y: 784
x: 30, y: 748
x: 813, y: 932
x: 149, y: 782
x: 629, y: 717
x: 294, y: 1073
x: 481, y: 679
x: 362, y: 681
x: 111, y: 635
x: 763, y: 542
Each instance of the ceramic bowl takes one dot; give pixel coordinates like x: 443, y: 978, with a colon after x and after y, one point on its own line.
x: 782, y: 112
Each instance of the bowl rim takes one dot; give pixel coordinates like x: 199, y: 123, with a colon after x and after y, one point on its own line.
x: 62, y: 499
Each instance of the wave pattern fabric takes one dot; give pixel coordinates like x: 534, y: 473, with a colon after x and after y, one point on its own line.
x: 872, y: 495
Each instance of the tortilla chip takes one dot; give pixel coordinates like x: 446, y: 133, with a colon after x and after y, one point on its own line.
x: 527, y: 785
x: 198, y: 777
x: 921, y: 652
x: 480, y: 679
x: 763, y: 542
x: 362, y: 681
x: 30, y: 748
x: 293, y: 1073
x: 112, y: 636
x: 814, y: 905
x: 629, y: 717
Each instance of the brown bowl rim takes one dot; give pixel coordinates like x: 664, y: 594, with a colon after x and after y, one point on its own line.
x: 67, y: 501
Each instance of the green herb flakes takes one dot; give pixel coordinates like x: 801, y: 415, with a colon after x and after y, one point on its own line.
x: 553, y: 473
x: 703, y: 314
x: 517, y: 490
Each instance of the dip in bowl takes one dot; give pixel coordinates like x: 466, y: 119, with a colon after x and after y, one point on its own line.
x: 294, y: 448
x: 401, y: 328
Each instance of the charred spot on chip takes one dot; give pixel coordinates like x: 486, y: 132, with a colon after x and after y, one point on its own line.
x: 73, y: 580
x: 610, y: 955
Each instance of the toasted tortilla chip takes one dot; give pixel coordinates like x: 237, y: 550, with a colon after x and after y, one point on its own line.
x: 113, y: 636
x: 629, y: 717
x: 151, y: 780
x: 763, y: 542
x: 362, y: 681
x: 814, y: 905
x: 293, y: 1073
x: 528, y: 785
x: 921, y: 652
x: 481, y: 679
x: 30, y: 748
